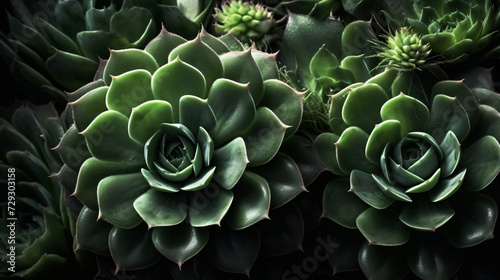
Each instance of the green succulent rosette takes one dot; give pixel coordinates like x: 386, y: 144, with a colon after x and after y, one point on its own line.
x: 37, y: 221
x: 176, y: 140
x: 320, y: 9
x: 455, y: 29
x: 56, y: 47
x: 408, y: 170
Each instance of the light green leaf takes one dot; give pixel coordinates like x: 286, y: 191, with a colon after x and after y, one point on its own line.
x: 129, y: 90
x: 447, y: 114
x: 121, y: 61
x: 145, y: 119
x: 351, y: 148
x: 362, y: 106
x: 177, y: 79
x: 383, y: 133
x: 410, y: 112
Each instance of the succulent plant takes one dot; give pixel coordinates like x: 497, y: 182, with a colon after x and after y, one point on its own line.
x: 455, y: 29
x: 194, y: 130
x: 404, y: 50
x: 38, y: 239
x: 250, y: 23
x: 55, y: 47
x: 407, y: 168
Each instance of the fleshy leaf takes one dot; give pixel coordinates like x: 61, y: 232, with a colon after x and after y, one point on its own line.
x: 159, y: 209
x: 451, y: 149
x: 340, y: 205
x: 482, y: 161
x: 391, y: 191
x: 121, y: 61
x: 285, y: 102
x: 129, y: 90
x: 235, y: 251
x: 437, y: 260
x: 447, y: 187
x: 116, y: 195
x: 146, y: 119
x: 462, y: 94
x: 383, y: 227
x: 410, y: 112
x: 180, y: 243
x: 176, y: 79
x: 447, y: 114
x: 327, y: 151
x: 233, y: 107
x: 71, y: 70
x: 474, y: 221
x: 383, y: 133
x: 252, y: 198
x: 423, y: 214
x: 107, y: 139
x: 365, y: 187
x: 283, y: 176
x: 162, y: 45
x: 91, y: 173
x: 200, y: 181
x: 195, y: 112
x: 132, y: 248
x: 159, y: 183
x: 231, y: 161
x: 284, y: 231
x: 200, y: 56
x: 88, y: 107
x: 72, y: 149
x: 427, y: 185
x: 209, y: 206
x: 264, y: 137
x: 92, y: 234
x: 240, y: 67
x: 362, y: 106
x: 383, y: 262
x: 351, y: 151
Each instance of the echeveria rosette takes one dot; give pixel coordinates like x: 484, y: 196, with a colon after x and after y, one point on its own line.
x: 411, y: 172
x: 42, y: 219
x: 56, y: 47
x: 193, y: 130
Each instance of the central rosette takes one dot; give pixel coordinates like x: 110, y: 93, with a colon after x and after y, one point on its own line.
x: 178, y: 159
x: 412, y: 162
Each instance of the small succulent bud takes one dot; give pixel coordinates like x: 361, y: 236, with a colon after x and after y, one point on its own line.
x: 250, y: 23
x: 404, y: 50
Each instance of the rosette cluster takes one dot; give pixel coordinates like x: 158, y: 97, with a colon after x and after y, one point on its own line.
x: 407, y: 167
x: 178, y: 137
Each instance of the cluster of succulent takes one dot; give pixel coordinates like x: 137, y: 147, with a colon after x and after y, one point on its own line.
x: 201, y: 139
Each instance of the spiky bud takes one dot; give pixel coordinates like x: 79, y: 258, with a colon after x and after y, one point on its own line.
x: 404, y: 50
x: 245, y: 20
